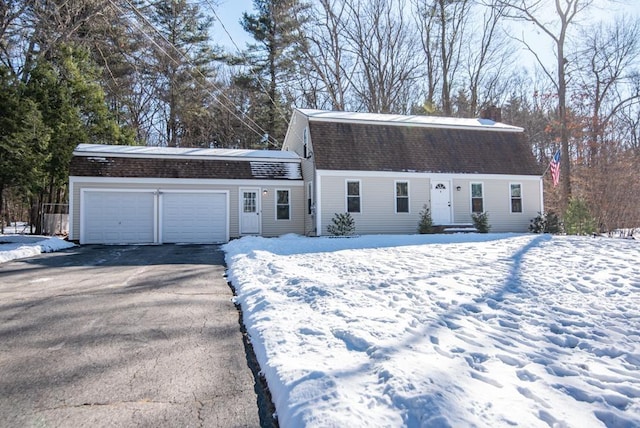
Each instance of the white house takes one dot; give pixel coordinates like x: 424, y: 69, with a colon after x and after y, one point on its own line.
x: 383, y: 169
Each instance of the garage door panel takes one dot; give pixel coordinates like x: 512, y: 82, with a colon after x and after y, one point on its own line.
x: 194, y: 217
x: 118, y: 217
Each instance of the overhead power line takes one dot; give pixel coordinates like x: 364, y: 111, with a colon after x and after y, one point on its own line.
x: 250, y: 123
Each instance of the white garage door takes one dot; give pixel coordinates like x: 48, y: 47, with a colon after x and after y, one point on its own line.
x: 193, y: 217
x: 118, y: 217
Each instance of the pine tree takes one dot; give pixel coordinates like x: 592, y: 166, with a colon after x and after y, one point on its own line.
x: 180, y: 69
x: 425, y: 225
x: 276, y: 29
x: 342, y: 224
x: 23, y: 141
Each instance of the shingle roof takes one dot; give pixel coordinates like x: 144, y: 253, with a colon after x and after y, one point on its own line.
x: 118, y: 161
x: 470, y: 147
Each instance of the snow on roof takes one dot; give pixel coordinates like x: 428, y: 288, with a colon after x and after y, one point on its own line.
x: 413, y: 120
x: 179, y: 152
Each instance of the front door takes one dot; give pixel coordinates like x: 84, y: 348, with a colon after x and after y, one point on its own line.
x: 440, y: 202
x: 250, y: 211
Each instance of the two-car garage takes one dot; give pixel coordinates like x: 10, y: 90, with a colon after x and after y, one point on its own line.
x: 116, y: 216
x: 170, y: 195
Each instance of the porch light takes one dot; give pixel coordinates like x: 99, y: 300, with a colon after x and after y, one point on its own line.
x: 458, y: 188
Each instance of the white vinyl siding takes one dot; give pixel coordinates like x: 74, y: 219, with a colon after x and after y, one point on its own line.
x: 498, y: 203
x: 270, y: 227
x: 378, y: 213
x: 295, y: 142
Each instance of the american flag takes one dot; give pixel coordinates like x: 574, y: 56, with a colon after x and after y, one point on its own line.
x: 555, y: 168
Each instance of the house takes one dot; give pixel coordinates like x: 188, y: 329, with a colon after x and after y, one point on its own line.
x: 383, y: 169
x: 137, y: 194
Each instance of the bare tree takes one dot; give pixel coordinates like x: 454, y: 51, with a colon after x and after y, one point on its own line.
x: 323, y: 50
x: 381, y: 41
x: 607, y: 84
x: 426, y: 21
x: 556, y: 27
x: 488, y: 58
x: 443, y: 25
x: 607, y: 76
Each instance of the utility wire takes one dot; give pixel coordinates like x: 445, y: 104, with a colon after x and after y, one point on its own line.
x: 253, y: 126
x: 244, y: 57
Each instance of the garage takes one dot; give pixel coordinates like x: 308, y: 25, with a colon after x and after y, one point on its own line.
x: 118, y: 217
x: 175, y: 195
x: 193, y: 217
x: 154, y: 216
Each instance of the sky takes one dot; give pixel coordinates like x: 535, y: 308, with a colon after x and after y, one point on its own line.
x: 230, y: 12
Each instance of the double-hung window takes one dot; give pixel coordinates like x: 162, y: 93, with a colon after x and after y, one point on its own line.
x: 516, y: 197
x: 477, y: 198
x: 353, y: 196
x: 283, y: 206
x: 402, y: 197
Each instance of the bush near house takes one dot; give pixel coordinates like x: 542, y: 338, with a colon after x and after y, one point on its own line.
x: 547, y: 222
x: 481, y: 222
x: 342, y: 224
x: 425, y: 225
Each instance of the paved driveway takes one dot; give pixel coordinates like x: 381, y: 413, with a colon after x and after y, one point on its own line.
x: 122, y: 336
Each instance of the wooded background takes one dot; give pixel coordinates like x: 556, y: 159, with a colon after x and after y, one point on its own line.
x: 149, y: 73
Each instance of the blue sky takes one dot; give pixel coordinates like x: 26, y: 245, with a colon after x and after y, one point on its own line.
x: 230, y: 11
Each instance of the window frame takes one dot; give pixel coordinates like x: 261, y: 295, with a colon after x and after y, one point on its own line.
x: 347, y: 195
x: 397, y: 197
x: 471, y: 197
x: 511, y: 198
x: 278, y: 204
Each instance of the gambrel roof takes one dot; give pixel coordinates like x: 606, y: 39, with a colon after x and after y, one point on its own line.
x: 381, y: 142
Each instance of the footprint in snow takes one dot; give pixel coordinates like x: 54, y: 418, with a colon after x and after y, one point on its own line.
x: 351, y: 340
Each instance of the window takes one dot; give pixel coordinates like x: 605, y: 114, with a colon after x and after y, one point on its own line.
x: 353, y: 196
x: 310, y: 197
x: 516, y: 198
x: 283, y: 208
x: 477, y: 205
x: 305, y: 143
x: 249, y: 202
x: 402, y: 197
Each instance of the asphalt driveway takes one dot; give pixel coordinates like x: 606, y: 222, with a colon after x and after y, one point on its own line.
x: 122, y: 336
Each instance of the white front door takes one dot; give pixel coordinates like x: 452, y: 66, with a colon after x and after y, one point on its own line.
x: 440, y: 202
x: 250, y: 211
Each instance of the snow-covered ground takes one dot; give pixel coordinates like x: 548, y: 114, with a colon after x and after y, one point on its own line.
x: 436, y: 331
x: 14, y: 245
